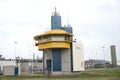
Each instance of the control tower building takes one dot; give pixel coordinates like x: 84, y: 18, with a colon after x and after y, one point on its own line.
x: 60, y: 53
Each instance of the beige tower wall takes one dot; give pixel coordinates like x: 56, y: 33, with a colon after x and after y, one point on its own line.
x: 48, y: 55
x: 65, y: 59
x: 66, y: 64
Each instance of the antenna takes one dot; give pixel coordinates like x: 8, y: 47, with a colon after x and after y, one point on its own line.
x: 68, y: 18
x: 55, y: 12
x: 55, y: 9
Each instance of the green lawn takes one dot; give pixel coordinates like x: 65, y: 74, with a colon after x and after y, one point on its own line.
x: 100, y: 74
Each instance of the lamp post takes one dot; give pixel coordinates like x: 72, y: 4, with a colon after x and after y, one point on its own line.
x: 32, y: 62
x: 18, y: 61
x: 15, y: 50
x: 104, y: 57
x: 28, y: 51
x: 33, y: 57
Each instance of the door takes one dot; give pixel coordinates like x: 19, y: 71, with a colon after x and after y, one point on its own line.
x: 16, y: 71
x: 48, y: 63
x: 57, y: 65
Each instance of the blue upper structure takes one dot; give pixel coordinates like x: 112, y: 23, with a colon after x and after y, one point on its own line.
x: 68, y: 29
x: 55, y: 21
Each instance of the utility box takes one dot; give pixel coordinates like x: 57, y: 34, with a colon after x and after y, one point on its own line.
x: 11, y: 70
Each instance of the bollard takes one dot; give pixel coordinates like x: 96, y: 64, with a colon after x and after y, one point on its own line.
x: 49, y: 72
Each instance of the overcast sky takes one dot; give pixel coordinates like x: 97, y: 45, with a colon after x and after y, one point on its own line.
x: 96, y: 23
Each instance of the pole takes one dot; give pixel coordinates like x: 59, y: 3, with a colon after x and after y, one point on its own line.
x: 19, y: 65
x: 104, y: 57
x: 44, y: 61
x: 15, y: 52
x: 28, y: 51
x: 33, y: 60
x: 15, y: 48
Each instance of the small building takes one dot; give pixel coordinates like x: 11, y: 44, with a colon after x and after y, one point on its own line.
x: 6, y: 62
x: 93, y: 63
x: 11, y: 70
x: 60, y: 53
x: 25, y: 66
x: 118, y: 63
x: 28, y: 66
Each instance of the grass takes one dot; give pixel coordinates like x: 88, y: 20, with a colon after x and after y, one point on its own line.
x: 98, y: 74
